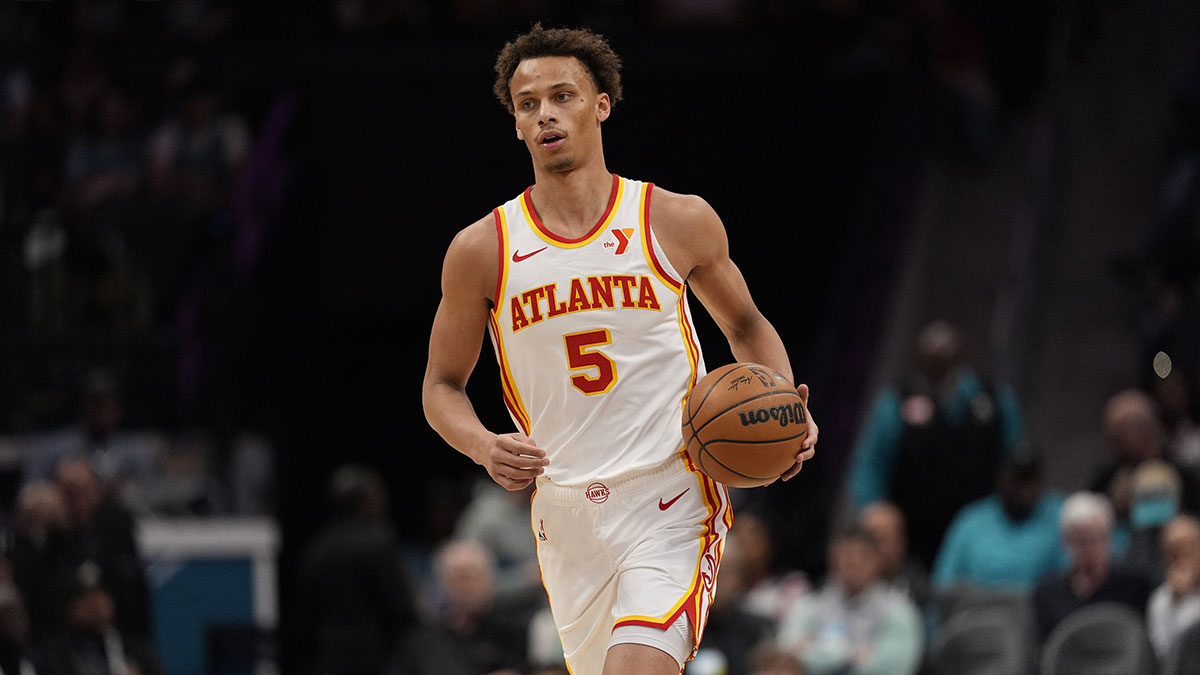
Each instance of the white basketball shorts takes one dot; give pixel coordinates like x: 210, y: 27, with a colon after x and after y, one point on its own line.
x: 640, y: 550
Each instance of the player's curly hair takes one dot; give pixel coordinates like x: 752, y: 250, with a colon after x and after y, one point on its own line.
x: 592, y: 50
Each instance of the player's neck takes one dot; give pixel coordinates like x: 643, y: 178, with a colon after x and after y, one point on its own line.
x: 571, y: 202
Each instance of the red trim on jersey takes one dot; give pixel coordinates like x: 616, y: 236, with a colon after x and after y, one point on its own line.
x: 650, y: 247
x: 689, y: 335
x: 728, y: 512
x: 537, y: 221
x: 500, y: 252
x: 687, y: 605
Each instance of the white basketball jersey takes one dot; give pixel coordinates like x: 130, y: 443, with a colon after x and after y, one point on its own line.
x: 594, y: 338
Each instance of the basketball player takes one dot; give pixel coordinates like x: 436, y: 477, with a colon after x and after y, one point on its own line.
x: 581, y: 282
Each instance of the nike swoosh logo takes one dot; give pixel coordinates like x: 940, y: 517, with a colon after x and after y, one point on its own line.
x: 517, y: 257
x: 663, y: 506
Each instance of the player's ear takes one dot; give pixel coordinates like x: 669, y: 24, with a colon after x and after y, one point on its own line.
x: 520, y: 136
x: 603, y: 107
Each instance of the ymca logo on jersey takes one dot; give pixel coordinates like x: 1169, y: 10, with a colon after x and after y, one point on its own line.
x: 623, y: 234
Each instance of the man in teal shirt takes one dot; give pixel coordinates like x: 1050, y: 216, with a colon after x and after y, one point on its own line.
x: 941, y: 421
x: 1008, y: 540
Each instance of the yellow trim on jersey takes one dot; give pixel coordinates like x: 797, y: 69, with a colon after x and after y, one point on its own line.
x: 601, y: 229
x: 687, y: 333
x: 503, y: 273
x: 647, y: 242
x: 728, y: 514
x: 507, y: 382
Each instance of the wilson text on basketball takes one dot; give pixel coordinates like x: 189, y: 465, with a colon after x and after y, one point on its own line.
x: 783, y: 414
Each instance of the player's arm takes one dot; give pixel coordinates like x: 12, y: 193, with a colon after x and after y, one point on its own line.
x: 695, y: 242
x: 468, y: 282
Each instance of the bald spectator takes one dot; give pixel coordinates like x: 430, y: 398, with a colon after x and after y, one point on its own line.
x: 1087, y: 526
x: 499, y: 519
x: 885, y: 522
x: 39, y: 552
x: 1175, y: 604
x: 469, y: 632
x: 1134, y: 431
x: 942, y: 420
x: 100, y: 529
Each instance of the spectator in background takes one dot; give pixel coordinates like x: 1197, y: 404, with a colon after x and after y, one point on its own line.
x: 469, y: 632
x: 355, y: 603
x: 1175, y: 604
x: 124, y: 460
x: 39, y: 553
x: 16, y: 655
x: 1155, y: 501
x: 104, y: 163
x: 499, y: 520
x: 102, y: 175
x: 771, y: 660
x: 84, y: 79
x: 101, y: 531
x: 941, y: 421
x: 1087, y: 525
x: 765, y: 593
x: 1133, y: 427
x: 856, y: 624
x: 195, y: 154
x: 184, y: 483
x: 885, y: 522
x: 545, y: 648
x: 732, y: 632
x: 1008, y: 540
x: 1174, y: 398
x: 92, y: 643
x: 31, y: 177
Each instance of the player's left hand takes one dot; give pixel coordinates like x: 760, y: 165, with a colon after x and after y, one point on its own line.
x: 808, y: 448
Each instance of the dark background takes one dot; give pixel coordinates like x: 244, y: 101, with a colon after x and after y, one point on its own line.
x: 809, y: 126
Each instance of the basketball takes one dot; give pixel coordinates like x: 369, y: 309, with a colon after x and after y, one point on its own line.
x: 744, y: 425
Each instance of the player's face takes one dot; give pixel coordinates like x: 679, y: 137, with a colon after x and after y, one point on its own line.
x: 558, y: 111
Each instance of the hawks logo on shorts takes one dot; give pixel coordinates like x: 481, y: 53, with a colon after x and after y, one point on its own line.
x: 597, y: 492
x: 708, y: 571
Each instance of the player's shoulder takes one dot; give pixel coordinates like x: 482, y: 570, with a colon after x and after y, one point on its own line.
x: 471, y: 260
x: 678, y: 205
x: 675, y: 210
x: 477, y: 239
x: 683, y: 215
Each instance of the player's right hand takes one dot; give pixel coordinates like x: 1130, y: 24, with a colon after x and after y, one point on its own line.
x: 513, y: 460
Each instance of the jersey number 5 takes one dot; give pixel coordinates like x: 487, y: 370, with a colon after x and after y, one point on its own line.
x: 595, y: 372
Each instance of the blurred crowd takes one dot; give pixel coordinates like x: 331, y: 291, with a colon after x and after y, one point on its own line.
x: 119, y: 152
x: 119, y: 175
x: 908, y: 585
